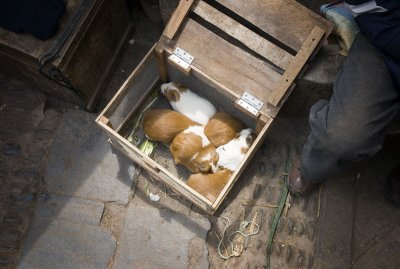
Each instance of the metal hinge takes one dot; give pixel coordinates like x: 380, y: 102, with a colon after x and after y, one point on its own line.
x: 181, y: 58
x: 250, y: 103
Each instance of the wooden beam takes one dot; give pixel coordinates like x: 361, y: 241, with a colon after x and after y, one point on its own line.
x: 177, y: 18
x: 295, y: 67
x: 162, y: 66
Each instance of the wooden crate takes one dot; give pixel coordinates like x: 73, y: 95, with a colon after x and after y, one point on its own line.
x: 255, y: 47
x: 77, y: 62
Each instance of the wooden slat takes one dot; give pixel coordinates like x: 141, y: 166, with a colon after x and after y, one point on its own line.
x: 162, y: 66
x: 177, y: 18
x: 106, y: 121
x: 295, y: 67
x: 286, y: 20
x: 226, y: 63
x: 253, y: 149
x: 249, y: 38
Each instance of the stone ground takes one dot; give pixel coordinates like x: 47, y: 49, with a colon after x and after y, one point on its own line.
x: 68, y: 200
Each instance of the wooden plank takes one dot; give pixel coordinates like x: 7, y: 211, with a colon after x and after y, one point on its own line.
x: 252, y: 151
x: 106, y: 121
x: 229, y: 65
x: 296, y: 66
x: 262, y: 120
x: 116, y: 100
x: 285, y: 20
x: 177, y: 18
x: 162, y: 66
x: 249, y: 38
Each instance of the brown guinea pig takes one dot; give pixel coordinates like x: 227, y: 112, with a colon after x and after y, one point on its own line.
x: 163, y: 125
x: 187, y: 144
x: 209, y: 185
x: 222, y: 128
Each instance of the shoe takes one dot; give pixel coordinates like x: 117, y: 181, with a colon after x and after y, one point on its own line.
x: 301, y: 186
x: 392, y: 186
x: 297, y: 184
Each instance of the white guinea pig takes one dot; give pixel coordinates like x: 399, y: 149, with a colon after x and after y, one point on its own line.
x: 188, y: 103
x: 232, y: 153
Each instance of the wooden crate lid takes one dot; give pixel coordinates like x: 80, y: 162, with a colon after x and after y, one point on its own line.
x: 256, y: 47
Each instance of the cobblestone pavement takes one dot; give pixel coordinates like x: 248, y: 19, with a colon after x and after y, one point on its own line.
x: 59, y: 207
x: 29, y: 121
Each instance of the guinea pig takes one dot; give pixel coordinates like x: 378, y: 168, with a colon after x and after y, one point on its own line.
x: 163, y: 125
x: 232, y: 153
x: 188, y: 103
x: 205, y: 160
x: 187, y: 144
x: 222, y: 128
x: 209, y: 185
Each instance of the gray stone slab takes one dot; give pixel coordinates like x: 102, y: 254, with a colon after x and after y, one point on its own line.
x: 61, y: 244
x: 76, y: 210
x: 82, y: 163
x: 66, y: 233
x: 334, y: 239
x: 375, y: 216
x: 385, y: 254
x: 156, y: 238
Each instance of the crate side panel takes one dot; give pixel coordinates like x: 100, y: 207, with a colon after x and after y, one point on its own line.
x: 136, y: 89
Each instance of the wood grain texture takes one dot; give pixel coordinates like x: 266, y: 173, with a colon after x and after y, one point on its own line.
x: 249, y: 38
x: 285, y: 20
x: 226, y: 63
x: 295, y: 67
x: 177, y: 18
x: 97, y: 46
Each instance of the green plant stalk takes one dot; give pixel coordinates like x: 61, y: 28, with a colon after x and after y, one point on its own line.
x: 278, y: 213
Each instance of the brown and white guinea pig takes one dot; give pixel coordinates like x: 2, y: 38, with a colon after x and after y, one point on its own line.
x: 186, y: 146
x: 222, y: 128
x: 209, y: 185
x: 163, y: 125
x: 188, y: 103
x: 205, y: 160
x: 232, y: 153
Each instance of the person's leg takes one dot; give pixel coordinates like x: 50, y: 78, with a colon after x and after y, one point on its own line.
x: 352, y: 124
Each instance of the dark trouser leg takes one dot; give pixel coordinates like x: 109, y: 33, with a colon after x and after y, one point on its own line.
x: 352, y: 124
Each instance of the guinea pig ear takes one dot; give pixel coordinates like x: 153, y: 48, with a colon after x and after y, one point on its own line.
x: 250, y: 139
x: 173, y: 95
